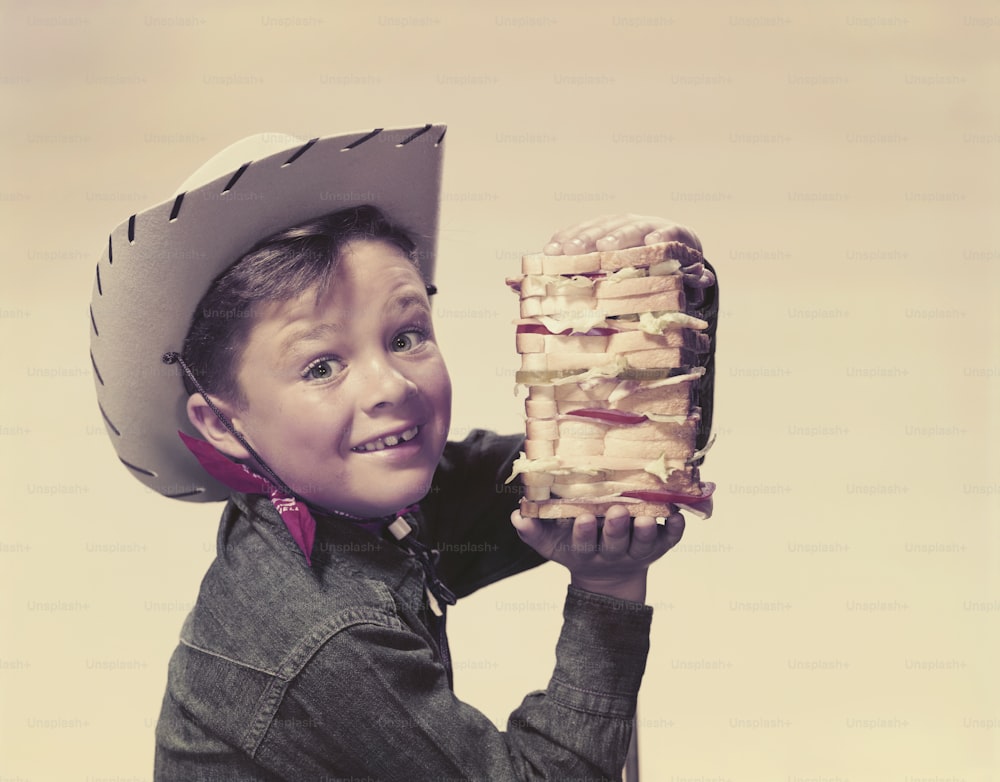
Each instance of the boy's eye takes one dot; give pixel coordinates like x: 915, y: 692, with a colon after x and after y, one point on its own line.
x: 407, y: 340
x: 321, y: 369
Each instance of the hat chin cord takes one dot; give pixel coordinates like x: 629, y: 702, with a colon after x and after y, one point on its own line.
x: 175, y: 358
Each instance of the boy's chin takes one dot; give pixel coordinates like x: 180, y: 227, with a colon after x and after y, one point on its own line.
x: 387, y: 505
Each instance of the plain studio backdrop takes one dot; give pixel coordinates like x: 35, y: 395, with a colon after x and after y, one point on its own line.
x: 836, y: 620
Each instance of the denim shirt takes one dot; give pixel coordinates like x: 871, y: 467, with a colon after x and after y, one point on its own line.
x: 333, y: 672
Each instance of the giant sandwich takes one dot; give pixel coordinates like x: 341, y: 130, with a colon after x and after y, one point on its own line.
x: 617, y: 354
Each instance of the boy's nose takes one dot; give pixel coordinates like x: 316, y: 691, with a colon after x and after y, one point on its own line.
x: 385, y: 386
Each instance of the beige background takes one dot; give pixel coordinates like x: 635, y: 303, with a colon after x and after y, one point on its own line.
x: 836, y: 619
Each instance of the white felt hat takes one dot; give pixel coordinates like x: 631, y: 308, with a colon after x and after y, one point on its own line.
x: 160, y: 262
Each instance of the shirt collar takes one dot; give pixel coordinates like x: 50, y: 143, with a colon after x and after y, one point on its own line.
x: 294, y: 512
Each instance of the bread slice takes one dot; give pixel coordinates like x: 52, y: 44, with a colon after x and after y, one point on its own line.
x: 671, y: 300
x: 563, y: 508
x: 571, y: 508
x: 670, y: 395
x: 613, y: 287
x: 613, y: 344
x: 677, y: 405
x: 610, y: 261
x: 641, y: 359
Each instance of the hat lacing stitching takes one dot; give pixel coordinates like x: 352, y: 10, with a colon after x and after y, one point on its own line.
x: 232, y: 182
x: 97, y: 372
x: 176, y: 210
x: 362, y: 140
x: 412, y: 136
x: 299, y: 153
x: 109, y: 423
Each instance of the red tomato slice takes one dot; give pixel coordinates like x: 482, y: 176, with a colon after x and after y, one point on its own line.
x: 669, y: 496
x: 611, y: 416
x: 532, y: 328
x: 538, y: 328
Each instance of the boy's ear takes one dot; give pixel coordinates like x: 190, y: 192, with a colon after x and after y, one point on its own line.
x: 204, y: 419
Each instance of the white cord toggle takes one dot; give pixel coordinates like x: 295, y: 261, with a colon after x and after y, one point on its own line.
x: 400, y: 528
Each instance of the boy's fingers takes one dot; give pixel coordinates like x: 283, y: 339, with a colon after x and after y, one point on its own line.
x: 675, y: 530
x: 584, y: 536
x: 528, y: 529
x: 583, y: 238
x: 645, y: 536
x: 615, y: 534
x: 567, y: 233
x: 693, y: 271
x: 697, y: 276
x: 631, y: 234
x: 618, y: 232
x: 672, y: 232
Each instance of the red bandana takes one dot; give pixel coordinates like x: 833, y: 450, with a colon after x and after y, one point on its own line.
x: 297, y: 518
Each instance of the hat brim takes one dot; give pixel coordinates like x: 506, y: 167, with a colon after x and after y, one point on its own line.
x: 160, y: 262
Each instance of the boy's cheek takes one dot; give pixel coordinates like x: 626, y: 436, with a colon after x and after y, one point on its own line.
x: 437, y: 372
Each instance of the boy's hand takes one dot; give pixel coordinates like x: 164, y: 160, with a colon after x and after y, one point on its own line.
x: 611, y: 560
x: 618, y: 232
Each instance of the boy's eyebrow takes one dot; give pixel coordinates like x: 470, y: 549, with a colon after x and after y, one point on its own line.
x: 315, y: 333
x: 404, y: 301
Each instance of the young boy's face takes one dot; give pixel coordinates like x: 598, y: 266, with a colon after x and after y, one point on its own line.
x: 348, y: 398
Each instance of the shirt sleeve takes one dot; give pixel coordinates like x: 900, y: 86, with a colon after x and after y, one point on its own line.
x: 374, y: 704
x: 468, y: 513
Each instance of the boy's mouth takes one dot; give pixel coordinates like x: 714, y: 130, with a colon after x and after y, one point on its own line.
x: 387, y: 441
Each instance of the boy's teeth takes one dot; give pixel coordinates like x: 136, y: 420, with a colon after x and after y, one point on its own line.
x: 387, y: 442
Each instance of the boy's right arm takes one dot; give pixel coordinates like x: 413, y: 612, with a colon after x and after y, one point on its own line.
x: 374, y: 703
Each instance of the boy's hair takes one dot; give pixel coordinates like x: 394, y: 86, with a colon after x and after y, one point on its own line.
x: 278, y: 268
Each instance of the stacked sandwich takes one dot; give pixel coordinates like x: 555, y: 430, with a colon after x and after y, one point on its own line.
x: 617, y: 358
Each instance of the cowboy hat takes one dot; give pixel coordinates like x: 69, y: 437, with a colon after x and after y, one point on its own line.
x: 160, y: 262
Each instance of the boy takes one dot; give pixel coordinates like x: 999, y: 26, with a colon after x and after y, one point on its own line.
x: 308, y: 387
